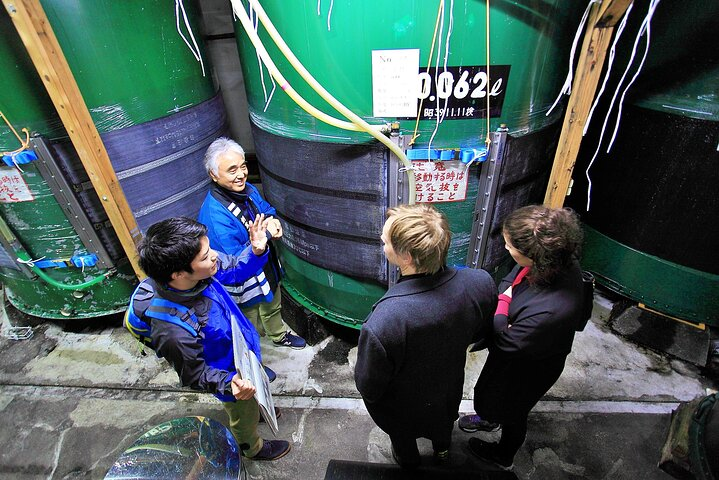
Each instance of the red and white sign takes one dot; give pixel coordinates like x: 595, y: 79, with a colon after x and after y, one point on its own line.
x: 13, y: 187
x: 440, y: 181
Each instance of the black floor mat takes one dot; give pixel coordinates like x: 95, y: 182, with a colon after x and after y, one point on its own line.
x: 345, y: 470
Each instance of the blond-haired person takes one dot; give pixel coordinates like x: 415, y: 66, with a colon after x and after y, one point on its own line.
x: 412, y: 347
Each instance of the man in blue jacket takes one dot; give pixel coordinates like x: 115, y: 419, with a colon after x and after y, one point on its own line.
x: 230, y: 206
x: 186, y: 275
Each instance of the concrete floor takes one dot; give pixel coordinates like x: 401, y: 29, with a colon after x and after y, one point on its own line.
x: 77, y: 394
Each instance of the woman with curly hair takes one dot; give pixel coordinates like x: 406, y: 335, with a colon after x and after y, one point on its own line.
x: 539, y: 307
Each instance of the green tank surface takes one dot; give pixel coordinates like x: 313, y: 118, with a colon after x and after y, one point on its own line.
x: 651, y: 229
x: 145, y: 78
x: 426, y: 69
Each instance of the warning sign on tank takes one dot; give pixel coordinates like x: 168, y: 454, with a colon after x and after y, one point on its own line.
x: 438, y: 182
x: 13, y: 187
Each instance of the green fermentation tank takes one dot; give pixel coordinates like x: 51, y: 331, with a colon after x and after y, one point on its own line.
x: 651, y: 229
x: 423, y: 65
x: 145, y: 78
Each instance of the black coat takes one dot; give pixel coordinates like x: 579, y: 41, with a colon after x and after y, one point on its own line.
x: 527, y: 359
x: 413, y: 347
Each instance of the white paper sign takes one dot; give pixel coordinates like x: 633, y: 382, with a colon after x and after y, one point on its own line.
x: 394, y: 82
x: 13, y: 187
x: 438, y: 182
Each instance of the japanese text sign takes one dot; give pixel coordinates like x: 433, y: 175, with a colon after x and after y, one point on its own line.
x: 440, y: 181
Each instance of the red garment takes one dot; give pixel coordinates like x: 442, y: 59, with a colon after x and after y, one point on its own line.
x: 504, y: 300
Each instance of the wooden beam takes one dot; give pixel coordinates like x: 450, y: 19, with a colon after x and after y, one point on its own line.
x: 589, y: 69
x: 610, y: 12
x: 44, y: 50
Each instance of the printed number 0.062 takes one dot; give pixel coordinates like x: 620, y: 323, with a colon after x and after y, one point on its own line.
x: 445, y: 85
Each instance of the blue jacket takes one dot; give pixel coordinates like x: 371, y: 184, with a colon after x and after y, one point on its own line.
x: 228, y: 234
x: 205, y: 362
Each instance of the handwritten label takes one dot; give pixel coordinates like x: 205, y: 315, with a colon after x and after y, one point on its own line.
x: 394, y: 82
x: 13, y: 187
x: 438, y: 182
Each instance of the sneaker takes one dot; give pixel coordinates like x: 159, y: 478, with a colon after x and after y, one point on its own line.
x: 441, y: 457
x: 487, y: 452
x: 271, y: 375
x: 278, y: 414
x: 292, y: 341
x: 473, y: 423
x: 272, y: 450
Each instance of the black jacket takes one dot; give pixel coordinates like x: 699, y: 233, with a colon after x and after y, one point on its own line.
x: 413, y: 347
x: 527, y: 358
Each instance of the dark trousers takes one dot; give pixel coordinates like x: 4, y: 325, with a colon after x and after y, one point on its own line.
x: 508, y: 388
x: 406, y: 451
x: 513, y: 436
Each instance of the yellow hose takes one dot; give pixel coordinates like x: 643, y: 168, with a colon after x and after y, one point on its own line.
x: 358, y: 124
x: 274, y: 71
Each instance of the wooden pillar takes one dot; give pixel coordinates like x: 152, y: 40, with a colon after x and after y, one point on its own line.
x: 600, y: 27
x: 42, y: 45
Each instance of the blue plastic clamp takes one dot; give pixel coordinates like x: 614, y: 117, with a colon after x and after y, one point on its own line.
x: 87, y: 260
x: 20, y: 158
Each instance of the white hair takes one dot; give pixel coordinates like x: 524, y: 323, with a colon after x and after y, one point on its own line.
x: 218, y: 148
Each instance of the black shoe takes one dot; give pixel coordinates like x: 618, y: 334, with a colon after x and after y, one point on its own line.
x: 403, y: 463
x: 271, y: 375
x: 473, y: 423
x: 278, y: 414
x: 272, y: 450
x: 292, y: 341
x: 487, y: 452
x: 441, y: 458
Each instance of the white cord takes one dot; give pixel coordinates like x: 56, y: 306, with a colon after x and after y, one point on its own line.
x: 272, y: 92
x: 646, y: 26
x: 30, y: 263
x: 610, y: 62
x: 329, y: 15
x: 436, y: 72
x: 14, y: 162
x: 7, y: 330
x: 440, y: 118
x: 642, y: 28
x: 254, y: 19
x: 196, y: 50
x: 477, y: 154
x: 268, y: 98
x: 606, y: 118
x: 446, y: 52
x: 567, y: 87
